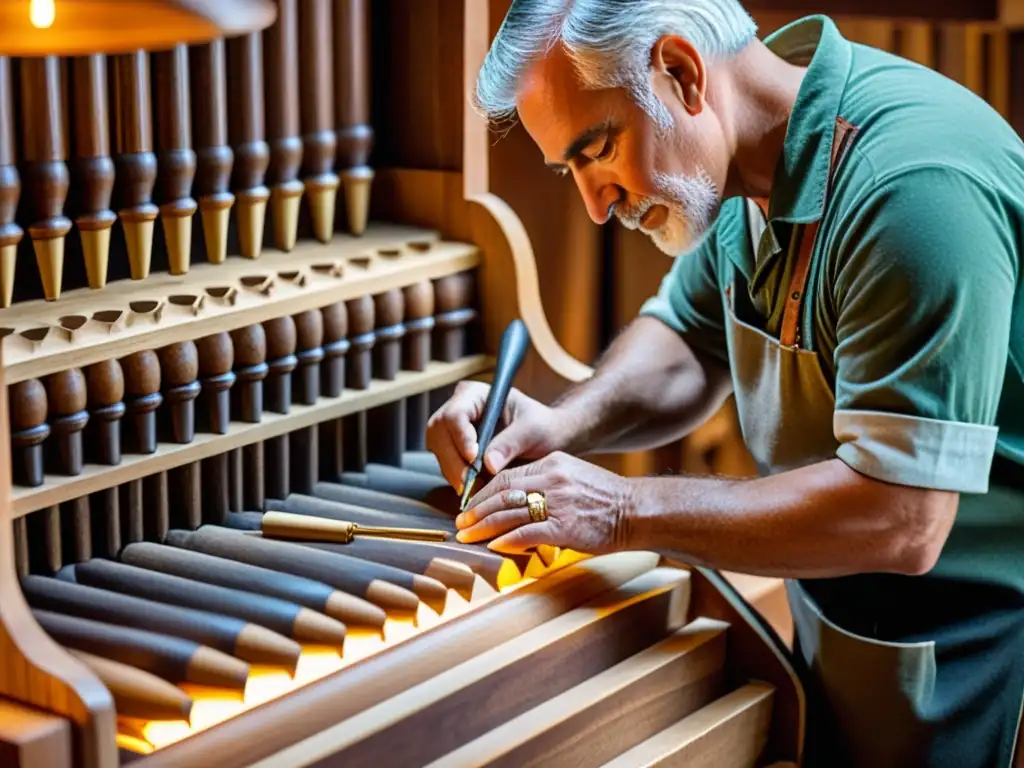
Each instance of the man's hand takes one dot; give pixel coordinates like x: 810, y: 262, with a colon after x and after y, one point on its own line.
x: 532, y: 430
x: 587, y: 506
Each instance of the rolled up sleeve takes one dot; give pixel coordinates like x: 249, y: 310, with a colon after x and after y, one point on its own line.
x: 924, y: 292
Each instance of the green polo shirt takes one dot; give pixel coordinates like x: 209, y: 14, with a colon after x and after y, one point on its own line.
x: 915, y: 299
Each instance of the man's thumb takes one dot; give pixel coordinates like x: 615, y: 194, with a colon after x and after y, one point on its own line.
x: 505, y: 447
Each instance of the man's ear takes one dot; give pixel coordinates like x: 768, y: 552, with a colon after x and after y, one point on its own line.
x: 679, y: 62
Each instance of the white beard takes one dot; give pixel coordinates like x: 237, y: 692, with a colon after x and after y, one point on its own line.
x: 692, y: 203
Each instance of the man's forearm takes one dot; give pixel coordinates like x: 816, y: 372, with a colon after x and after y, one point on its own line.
x: 648, y: 389
x: 821, y: 521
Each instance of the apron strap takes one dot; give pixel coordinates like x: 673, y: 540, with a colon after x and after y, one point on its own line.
x: 790, y: 334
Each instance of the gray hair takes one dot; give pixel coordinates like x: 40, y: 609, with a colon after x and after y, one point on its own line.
x: 609, y: 42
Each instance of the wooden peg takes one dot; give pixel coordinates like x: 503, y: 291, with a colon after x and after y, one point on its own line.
x: 453, y: 299
x: 10, y: 188
x: 92, y: 170
x: 336, y: 345
x: 179, y: 368
x: 105, y: 387
x: 214, y: 157
x: 281, y: 78
x: 385, y: 429
x: 246, y: 131
x: 419, y: 327
x: 250, y: 348
x: 352, y: 108
x: 134, y: 158
x: 309, y: 335
x: 216, y: 359
x: 319, y: 143
x: 281, y: 360
x: 358, y: 374
x: 176, y: 158
x: 67, y: 397
x: 46, y: 173
x: 28, y: 410
x: 142, y: 399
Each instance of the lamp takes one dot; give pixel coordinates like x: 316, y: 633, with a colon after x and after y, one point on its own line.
x: 31, y: 28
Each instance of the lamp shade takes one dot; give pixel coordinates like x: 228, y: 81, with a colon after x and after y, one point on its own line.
x: 30, y: 28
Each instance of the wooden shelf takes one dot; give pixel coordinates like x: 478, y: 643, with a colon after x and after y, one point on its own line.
x: 58, y: 489
x: 87, y: 326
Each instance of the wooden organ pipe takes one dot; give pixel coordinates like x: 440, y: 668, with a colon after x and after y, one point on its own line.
x: 29, y: 430
x: 67, y: 399
x: 332, y: 382
x: 178, y: 559
x: 117, y: 512
x: 281, y: 82
x: 249, y: 642
x: 137, y: 693
x: 216, y: 359
x: 92, y: 176
x: 176, y: 158
x: 419, y: 327
x: 304, y: 443
x: 352, y: 108
x: 175, y: 659
x: 46, y: 173
x: 247, y: 135
x: 214, y: 158
x: 249, y: 345
x: 385, y: 425
x: 358, y: 373
x: 179, y: 367
x: 319, y: 143
x: 134, y: 160
x: 281, y: 616
x: 10, y: 188
x: 277, y: 390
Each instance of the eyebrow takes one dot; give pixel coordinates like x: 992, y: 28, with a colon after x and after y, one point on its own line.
x: 581, y: 142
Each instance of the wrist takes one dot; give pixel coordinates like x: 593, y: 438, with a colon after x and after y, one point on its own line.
x: 633, y: 529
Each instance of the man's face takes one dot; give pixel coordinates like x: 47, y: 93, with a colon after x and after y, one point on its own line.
x: 662, y: 175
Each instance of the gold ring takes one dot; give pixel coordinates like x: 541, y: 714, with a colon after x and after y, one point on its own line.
x: 538, y: 507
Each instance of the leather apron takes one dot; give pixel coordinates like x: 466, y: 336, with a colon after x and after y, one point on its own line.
x: 872, y: 701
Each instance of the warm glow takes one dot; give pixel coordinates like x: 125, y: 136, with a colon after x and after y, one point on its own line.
x: 211, y: 706
x: 42, y: 13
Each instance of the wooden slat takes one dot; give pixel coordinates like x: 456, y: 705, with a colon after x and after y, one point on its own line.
x: 610, y: 712
x: 85, y: 327
x: 489, y: 689
x: 728, y: 733
x: 33, y: 739
x: 294, y: 729
x: 917, y: 43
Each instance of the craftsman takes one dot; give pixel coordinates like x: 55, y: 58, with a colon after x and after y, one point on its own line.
x: 847, y: 230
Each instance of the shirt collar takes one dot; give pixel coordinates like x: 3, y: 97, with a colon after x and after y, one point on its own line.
x: 801, y: 177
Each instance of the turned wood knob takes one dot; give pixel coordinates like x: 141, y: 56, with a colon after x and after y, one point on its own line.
x: 361, y: 321
x: 216, y: 359
x: 142, y: 396
x: 250, y: 350
x: 105, y: 385
x: 179, y: 364
x: 141, y: 373
x: 336, y: 345
x: 249, y: 345
x: 28, y: 411
x: 282, y: 337
x: 67, y: 397
x: 28, y: 404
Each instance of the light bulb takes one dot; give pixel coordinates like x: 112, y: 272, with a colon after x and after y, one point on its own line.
x: 42, y: 13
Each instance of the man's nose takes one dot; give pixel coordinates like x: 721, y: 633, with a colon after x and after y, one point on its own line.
x: 600, y: 198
